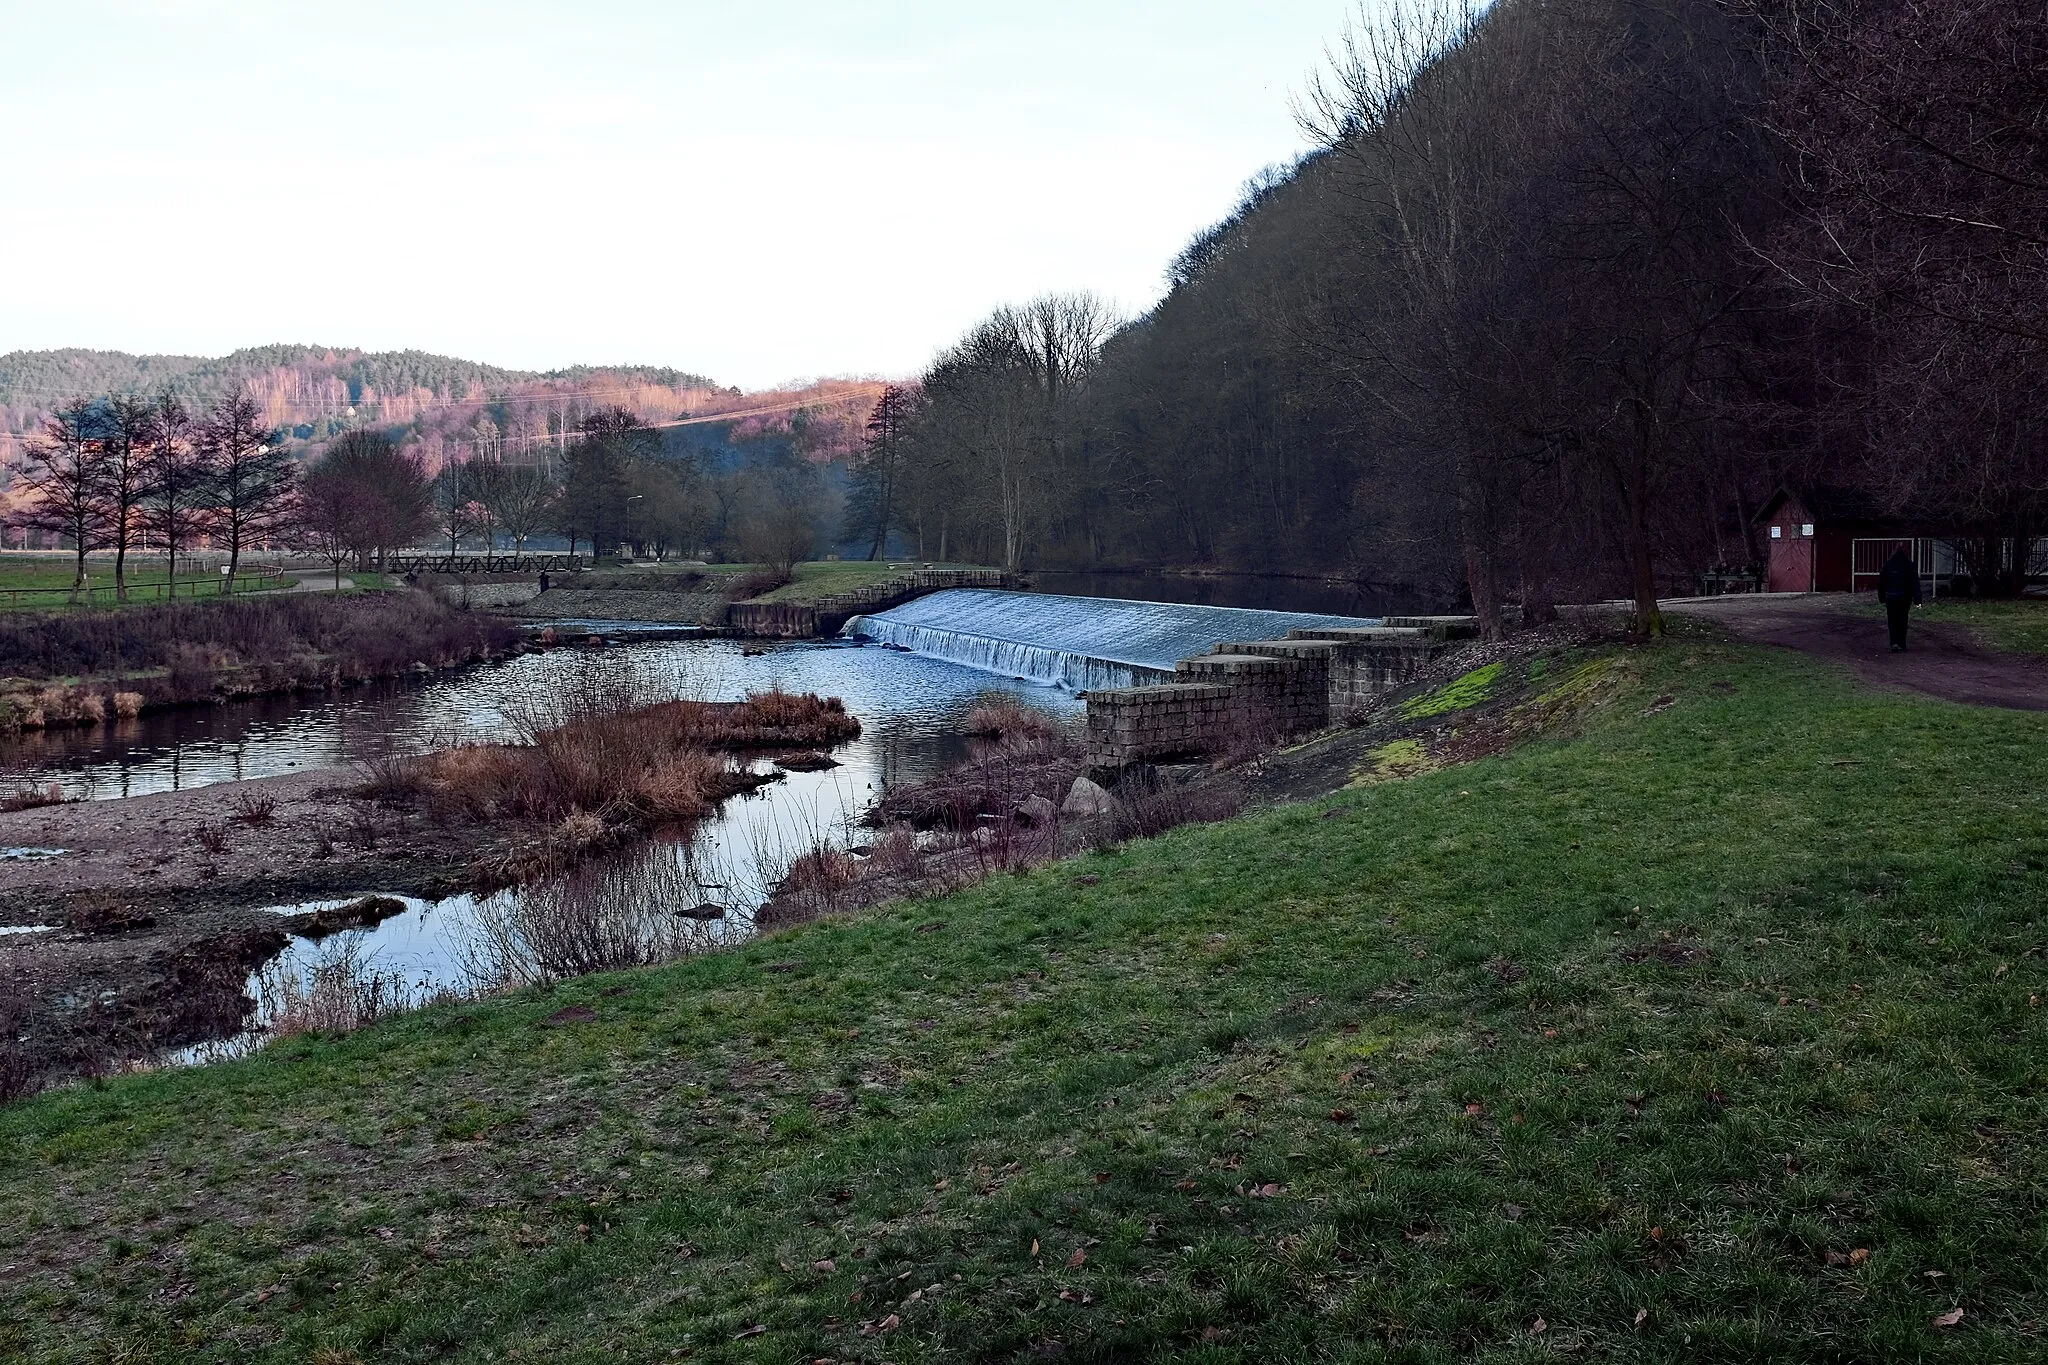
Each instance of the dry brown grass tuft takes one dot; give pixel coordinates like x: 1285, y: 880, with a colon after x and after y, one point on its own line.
x: 1015, y: 726
x: 26, y: 795
x: 597, y: 765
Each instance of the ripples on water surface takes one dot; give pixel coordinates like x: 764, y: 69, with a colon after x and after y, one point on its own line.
x: 1075, y: 642
x: 910, y: 708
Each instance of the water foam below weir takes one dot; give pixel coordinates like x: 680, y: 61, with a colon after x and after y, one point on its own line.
x: 1074, y: 642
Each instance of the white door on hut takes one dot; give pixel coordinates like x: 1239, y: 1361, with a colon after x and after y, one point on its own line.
x: 1936, y: 561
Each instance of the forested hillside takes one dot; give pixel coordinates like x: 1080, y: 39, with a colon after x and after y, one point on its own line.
x: 451, y: 409
x: 1565, y: 289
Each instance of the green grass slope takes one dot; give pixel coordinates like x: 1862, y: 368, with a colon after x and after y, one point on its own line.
x: 1711, y: 1034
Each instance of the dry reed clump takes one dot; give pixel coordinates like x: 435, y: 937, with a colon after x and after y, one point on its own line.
x: 1015, y: 726
x: 26, y: 795
x: 598, y: 764
x: 339, y: 994
x: 255, y: 809
x: 127, y: 705
x: 619, y: 912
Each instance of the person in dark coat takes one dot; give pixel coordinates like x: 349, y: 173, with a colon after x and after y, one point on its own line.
x: 1898, y: 587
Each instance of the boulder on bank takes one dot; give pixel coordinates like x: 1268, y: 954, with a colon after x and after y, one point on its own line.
x: 1036, y: 811
x: 1086, y: 798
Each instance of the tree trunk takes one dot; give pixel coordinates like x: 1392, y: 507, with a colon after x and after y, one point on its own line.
x: 1642, y: 567
x: 1474, y: 541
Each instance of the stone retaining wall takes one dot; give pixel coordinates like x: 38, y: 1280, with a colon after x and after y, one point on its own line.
x: 1369, y: 661
x: 1148, y: 724
x: 1285, y: 691
x: 774, y: 620
x: 1261, y: 689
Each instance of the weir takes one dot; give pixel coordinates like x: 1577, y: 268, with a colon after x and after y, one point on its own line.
x: 1080, y: 643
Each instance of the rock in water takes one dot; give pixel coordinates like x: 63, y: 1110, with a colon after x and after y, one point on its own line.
x: 1036, y: 810
x: 1088, y: 798
x: 708, y: 910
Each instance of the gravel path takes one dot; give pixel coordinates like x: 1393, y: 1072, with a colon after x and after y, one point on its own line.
x: 1940, y: 661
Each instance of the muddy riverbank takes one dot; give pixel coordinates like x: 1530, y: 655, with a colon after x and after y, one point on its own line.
x: 131, y: 926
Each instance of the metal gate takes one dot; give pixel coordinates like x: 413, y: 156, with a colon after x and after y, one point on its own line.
x: 1935, y: 559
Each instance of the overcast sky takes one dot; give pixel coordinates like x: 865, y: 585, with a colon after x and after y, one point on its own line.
x: 757, y: 190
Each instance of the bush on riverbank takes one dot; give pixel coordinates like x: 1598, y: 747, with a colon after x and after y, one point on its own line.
x: 600, y: 763
x: 59, y: 669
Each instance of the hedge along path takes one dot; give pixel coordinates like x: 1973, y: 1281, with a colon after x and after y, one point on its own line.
x: 1707, y: 1035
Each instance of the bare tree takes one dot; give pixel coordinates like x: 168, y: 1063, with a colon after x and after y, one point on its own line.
x: 375, y: 491
x: 332, y: 516
x: 250, y: 477
x: 521, y: 501
x: 65, y: 478
x: 125, y: 450
x: 178, y: 474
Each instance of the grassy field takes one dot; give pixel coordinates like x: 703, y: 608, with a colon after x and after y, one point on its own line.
x: 37, y: 583
x: 2019, y: 626
x: 824, y: 578
x: 1711, y: 1034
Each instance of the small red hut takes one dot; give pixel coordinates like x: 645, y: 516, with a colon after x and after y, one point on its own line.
x: 1836, y: 539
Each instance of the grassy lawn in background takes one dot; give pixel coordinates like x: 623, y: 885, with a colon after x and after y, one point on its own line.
x: 1710, y: 1034
x: 824, y: 578
x: 42, y: 584
x: 2018, y: 625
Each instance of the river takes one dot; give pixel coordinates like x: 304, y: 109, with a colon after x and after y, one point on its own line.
x: 911, y: 706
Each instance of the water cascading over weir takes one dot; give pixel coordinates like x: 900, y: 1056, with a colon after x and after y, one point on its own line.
x: 1080, y: 643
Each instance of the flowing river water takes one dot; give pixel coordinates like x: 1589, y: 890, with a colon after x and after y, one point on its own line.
x: 911, y: 706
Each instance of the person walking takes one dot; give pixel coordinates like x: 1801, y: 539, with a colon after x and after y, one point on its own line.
x: 1898, y: 587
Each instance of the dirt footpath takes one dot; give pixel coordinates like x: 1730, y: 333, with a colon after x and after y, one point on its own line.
x: 1940, y: 661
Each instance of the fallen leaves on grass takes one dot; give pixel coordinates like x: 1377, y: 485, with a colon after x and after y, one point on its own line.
x: 1953, y: 1317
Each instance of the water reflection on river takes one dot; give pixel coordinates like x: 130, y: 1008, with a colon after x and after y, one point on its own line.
x: 910, y: 708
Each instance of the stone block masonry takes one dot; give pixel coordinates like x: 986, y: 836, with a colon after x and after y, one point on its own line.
x: 1272, y: 694
x: 1366, y: 662
x: 1262, y: 690
x: 1150, y: 724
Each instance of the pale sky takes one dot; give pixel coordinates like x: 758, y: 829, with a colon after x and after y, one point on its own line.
x: 757, y: 192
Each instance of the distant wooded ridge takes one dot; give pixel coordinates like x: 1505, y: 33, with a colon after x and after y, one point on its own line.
x: 456, y: 408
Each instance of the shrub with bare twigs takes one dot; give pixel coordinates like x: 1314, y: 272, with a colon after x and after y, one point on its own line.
x: 255, y: 809
x: 1014, y: 725
x: 614, y: 761
x: 26, y: 795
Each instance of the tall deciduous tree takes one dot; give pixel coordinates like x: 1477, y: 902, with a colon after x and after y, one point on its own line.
x: 250, y: 477
x: 871, y: 504
x: 521, y: 498
x: 375, y: 495
x: 65, y: 479
x: 127, y: 425
x: 178, y: 474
